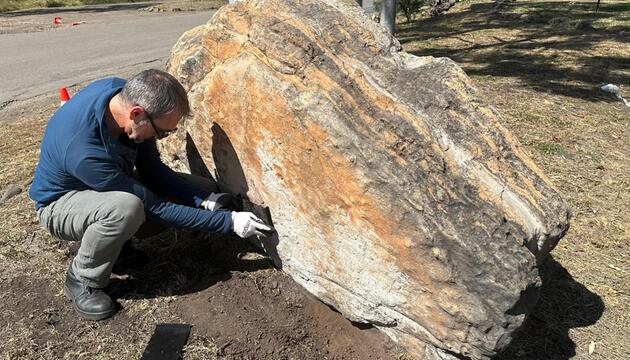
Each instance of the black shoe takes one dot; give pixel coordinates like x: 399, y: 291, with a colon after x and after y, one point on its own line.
x: 91, y: 303
x: 130, y: 258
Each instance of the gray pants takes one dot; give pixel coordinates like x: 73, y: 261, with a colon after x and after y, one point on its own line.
x: 103, y: 222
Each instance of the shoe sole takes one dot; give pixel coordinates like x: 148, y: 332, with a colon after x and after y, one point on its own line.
x: 89, y: 316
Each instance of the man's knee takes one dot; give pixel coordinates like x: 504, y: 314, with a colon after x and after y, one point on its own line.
x: 129, y: 210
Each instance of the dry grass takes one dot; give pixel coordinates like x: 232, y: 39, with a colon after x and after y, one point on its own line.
x: 543, y: 73
x: 10, y: 5
x: 192, y: 4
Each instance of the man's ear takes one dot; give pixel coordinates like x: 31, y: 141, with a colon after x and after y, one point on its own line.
x: 135, y: 111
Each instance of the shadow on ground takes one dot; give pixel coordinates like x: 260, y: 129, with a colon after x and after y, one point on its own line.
x: 529, y: 41
x: 184, y: 262
x: 564, y: 304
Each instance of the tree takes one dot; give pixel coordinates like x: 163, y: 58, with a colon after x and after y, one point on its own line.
x: 410, y: 7
x: 388, y: 15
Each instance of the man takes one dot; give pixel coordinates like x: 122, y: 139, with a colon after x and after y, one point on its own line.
x: 84, y: 187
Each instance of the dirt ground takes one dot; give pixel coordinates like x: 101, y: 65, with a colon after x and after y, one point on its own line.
x: 541, y: 71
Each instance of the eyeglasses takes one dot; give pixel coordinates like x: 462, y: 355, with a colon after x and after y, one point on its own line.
x: 159, y: 132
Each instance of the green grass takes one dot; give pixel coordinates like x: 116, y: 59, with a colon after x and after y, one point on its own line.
x: 549, y: 148
x: 598, y: 160
x: 14, y: 254
x: 10, y: 5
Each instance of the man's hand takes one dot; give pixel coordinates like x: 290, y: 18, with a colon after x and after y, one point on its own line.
x: 246, y: 224
x: 217, y: 201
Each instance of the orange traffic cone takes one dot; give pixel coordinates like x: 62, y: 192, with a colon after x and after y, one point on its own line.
x: 63, y: 95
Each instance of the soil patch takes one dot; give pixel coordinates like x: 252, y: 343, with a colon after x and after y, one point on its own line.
x: 232, y: 295
x: 266, y: 315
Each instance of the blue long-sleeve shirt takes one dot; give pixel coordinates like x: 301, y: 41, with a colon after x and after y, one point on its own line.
x: 78, y: 152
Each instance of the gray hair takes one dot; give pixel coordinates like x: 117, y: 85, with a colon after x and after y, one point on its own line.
x: 158, y: 92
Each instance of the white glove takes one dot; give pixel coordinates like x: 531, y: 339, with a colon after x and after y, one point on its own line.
x: 217, y: 201
x: 246, y: 224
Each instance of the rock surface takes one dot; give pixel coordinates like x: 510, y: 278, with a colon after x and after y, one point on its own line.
x: 398, y: 197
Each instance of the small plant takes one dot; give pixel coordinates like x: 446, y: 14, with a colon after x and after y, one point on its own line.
x: 598, y: 160
x: 13, y: 254
x: 549, y: 148
x: 54, y: 3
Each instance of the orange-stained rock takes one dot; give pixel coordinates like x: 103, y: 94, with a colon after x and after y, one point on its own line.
x: 397, y: 195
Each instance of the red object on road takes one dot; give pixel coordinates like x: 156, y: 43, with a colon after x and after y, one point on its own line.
x: 63, y: 95
x: 58, y: 20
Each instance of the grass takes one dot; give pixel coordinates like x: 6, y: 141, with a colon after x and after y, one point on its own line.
x: 542, y: 72
x: 549, y: 148
x: 200, y: 348
x: 598, y: 160
x: 611, y: 14
x: 13, y: 254
x: 547, y: 51
x: 10, y: 5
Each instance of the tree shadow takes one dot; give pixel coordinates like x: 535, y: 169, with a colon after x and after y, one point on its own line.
x: 564, y: 304
x: 536, y: 56
x: 184, y: 262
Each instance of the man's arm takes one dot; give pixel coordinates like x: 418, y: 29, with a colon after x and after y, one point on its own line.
x: 103, y: 175
x: 162, y: 179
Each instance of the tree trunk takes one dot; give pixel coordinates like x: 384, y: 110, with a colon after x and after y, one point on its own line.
x: 388, y: 15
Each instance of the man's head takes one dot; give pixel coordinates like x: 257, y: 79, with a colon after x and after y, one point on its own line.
x: 153, y: 104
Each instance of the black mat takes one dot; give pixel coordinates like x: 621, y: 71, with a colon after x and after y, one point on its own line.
x: 167, y: 342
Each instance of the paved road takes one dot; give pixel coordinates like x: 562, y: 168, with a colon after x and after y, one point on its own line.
x: 117, y: 42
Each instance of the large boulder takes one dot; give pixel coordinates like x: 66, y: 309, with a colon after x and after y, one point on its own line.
x: 397, y: 195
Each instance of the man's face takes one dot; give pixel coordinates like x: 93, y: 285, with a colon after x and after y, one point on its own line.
x: 144, y: 126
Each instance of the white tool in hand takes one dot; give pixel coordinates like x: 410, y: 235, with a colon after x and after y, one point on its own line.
x: 246, y: 224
